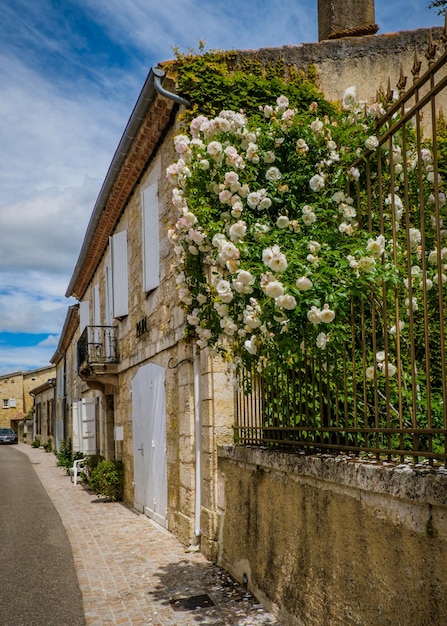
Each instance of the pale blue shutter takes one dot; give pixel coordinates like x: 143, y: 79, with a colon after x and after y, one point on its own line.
x: 151, y: 239
x: 120, y: 274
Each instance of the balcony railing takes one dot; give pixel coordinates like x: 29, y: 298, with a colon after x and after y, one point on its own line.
x: 97, y: 348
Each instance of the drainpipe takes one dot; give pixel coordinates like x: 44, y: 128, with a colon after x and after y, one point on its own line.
x: 198, y: 441
x: 158, y: 75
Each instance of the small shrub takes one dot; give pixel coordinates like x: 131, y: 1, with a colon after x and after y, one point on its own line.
x: 36, y: 443
x: 65, y: 457
x: 48, y: 446
x: 90, y: 464
x: 107, y: 479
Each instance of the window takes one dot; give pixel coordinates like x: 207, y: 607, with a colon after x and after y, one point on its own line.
x: 5, y: 404
x: 12, y: 403
x: 151, y: 238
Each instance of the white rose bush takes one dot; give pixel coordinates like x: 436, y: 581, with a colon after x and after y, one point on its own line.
x: 273, y: 244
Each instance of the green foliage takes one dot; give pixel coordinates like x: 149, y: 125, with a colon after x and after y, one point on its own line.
x: 218, y: 80
x: 48, y: 446
x: 294, y: 255
x: 66, y: 457
x: 92, y: 461
x: 107, y: 479
x: 36, y: 443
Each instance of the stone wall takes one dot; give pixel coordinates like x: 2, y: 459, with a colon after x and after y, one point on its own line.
x: 364, y: 62
x: 329, y: 540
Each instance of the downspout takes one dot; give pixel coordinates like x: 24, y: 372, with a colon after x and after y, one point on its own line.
x: 158, y: 75
x: 198, y: 442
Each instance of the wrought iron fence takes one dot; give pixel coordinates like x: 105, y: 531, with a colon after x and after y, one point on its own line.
x: 385, y: 392
x: 97, y: 345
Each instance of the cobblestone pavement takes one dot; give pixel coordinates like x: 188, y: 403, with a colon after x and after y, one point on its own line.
x: 132, y: 571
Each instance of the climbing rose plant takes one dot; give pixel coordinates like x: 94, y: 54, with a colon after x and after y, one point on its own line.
x: 270, y: 245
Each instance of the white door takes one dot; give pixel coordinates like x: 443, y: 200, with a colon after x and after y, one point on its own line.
x: 149, y: 442
x: 88, y: 418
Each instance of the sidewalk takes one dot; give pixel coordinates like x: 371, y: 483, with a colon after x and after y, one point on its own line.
x: 133, y: 572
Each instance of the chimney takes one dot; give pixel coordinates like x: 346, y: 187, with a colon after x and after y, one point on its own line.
x: 345, y: 18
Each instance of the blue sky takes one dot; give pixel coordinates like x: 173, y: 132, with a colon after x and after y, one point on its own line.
x: 70, y: 74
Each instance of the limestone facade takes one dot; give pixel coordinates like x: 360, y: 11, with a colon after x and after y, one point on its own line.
x: 196, y: 401
x: 15, y: 399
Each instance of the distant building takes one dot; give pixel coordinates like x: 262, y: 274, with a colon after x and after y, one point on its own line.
x: 16, y: 403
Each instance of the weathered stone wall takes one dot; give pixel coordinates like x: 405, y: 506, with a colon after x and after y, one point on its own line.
x: 325, y: 540
x: 364, y: 62
x: 17, y: 386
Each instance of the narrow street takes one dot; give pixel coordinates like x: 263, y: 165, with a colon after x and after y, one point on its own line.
x: 38, y: 582
x: 130, y: 570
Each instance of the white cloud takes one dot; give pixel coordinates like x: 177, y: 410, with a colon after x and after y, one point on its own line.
x: 22, y: 358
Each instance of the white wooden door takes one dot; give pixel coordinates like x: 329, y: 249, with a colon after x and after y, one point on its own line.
x: 88, y: 417
x: 149, y: 442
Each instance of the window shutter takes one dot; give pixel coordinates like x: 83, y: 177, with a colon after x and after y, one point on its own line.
x: 109, y: 293
x: 151, y: 239
x: 120, y: 274
x: 84, y: 315
x: 12, y: 403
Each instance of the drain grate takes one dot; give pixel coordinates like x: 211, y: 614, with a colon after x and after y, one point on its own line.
x: 192, y: 603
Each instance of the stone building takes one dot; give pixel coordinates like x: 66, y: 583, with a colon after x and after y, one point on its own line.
x: 129, y: 385
x: 44, y: 411
x: 15, y: 400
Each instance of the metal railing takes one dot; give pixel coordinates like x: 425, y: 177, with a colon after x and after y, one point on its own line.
x: 97, y: 345
x: 385, y: 392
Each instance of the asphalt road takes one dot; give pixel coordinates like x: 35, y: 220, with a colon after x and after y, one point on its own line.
x: 38, y: 583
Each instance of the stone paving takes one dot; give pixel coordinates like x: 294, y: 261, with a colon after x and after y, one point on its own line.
x: 133, y: 572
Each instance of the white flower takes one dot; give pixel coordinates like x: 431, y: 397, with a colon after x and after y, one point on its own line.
x: 380, y: 356
x: 314, y: 247
x: 283, y: 103
x: 274, y: 258
x: 316, y: 183
x: 274, y: 289
x: 224, y: 291
x: 369, y: 373
x: 349, y: 97
x: 314, y: 315
x: 269, y: 157
x: 304, y: 283
x: 228, y: 326
x: 282, y: 221
x: 376, y: 246
x: 316, y: 126
x: 327, y: 315
x: 286, y: 302
x: 250, y: 345
x: 321, y: 341
x: 354, y: 173
x: 264, y: 204
x: 393, y: 329
x: 371, y: 143
x: 301, y: 146
x: 390, y: 369
x: 309, y: 218
x: 352, y: 261
x: 415, y: 237
x: 366, y: 264
x: 237, y: 231
x: 214, y: 148
x: 273, y: 174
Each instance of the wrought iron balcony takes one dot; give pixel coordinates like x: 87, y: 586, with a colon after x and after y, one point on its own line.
x: 98, y: 351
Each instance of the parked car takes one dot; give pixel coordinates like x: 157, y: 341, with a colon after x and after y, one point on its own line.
x: 7, y: 435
